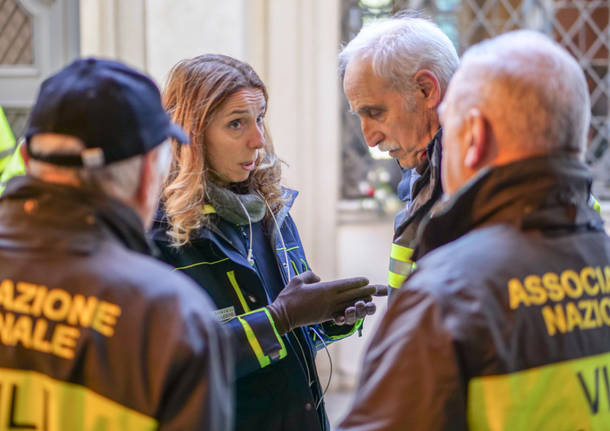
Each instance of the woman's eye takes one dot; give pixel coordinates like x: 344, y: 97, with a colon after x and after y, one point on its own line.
x: 235, y: 124
x: 260, y: 119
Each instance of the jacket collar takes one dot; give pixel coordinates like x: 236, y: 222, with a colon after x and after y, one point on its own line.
x: 543, y: 193
x: 36, y: 214
x: 426, y: 188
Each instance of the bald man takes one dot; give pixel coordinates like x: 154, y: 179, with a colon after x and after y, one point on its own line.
x: 505, y: 324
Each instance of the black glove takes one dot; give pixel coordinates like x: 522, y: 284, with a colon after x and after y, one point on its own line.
x: 361, y: 308
x: 306, y: 301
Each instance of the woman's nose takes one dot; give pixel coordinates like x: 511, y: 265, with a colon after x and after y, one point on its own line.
x: 257, y: 137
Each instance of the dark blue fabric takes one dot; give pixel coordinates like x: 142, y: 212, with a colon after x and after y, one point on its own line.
x: 404, y: 186
x: 279, y: 396
x: 265, y: 262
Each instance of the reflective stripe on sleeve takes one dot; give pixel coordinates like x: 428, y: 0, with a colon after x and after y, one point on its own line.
x: 401, y: 265
x: 266, y: 349
x: 401, y: 253
x: 594, y: 203
x: 395, y: 280
x: 398, y: 267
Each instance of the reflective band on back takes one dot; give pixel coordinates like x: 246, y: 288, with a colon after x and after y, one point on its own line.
x: 238, y: 292
x: 401, y: 253
x: 569, y: 395
x: 32, y: 400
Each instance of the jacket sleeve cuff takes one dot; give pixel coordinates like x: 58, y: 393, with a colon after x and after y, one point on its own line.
x: 259, y: 342
x: 329, y: 332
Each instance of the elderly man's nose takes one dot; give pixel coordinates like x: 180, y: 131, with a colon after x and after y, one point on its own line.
x: 371, y: 136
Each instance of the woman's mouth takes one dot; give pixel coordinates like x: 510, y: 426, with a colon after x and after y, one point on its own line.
x: 248, y: 166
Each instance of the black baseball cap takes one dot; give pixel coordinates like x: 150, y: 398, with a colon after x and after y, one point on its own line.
x: 113, y: 109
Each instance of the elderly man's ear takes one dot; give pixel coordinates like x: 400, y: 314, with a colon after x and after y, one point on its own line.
x: 429, y: 87
x: 147, y: 195
x: 478, y: 143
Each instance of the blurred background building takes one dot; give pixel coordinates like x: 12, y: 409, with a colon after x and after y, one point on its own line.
x: 347, y: 198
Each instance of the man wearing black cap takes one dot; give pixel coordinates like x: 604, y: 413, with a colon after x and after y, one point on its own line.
x: 93, y: 333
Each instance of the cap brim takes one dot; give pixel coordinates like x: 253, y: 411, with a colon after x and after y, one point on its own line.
x: 176, y: 132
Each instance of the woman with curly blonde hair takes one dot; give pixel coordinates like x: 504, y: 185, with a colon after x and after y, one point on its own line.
x: 225, y: 223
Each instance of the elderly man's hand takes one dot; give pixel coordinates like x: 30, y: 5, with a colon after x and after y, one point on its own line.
x: 361, y: 308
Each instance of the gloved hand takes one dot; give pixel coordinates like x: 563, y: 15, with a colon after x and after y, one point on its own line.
x: 306, y: 301
x: 361, y: 308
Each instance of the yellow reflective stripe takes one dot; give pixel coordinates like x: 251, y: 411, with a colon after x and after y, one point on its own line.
x: 200, y: 263
x: 401, y: 253
x: 288, y: 249
x: 355, y: 328
x: 305, y: 264
x: 240, y: 295
x: 569, y: 395
x: 395, y: 280
x: 13, y: 167
x: 43, y: 403
x: 595, y: 204
x: 7, y: 138
x: 208, y: 209
x: 263, y: 360
x: 296, y: 271
x: 283, y: 351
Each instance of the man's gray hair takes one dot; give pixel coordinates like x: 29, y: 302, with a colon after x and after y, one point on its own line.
x: 399, y: 47
x: 119, y: 179
x: 536, y: 85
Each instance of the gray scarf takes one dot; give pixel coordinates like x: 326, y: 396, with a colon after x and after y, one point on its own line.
x: 230, y: 205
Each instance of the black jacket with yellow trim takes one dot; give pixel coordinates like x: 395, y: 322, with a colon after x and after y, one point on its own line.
x: 94, y: 334
x: 505, y: 323
x: 277, y: 386
x: 426, y: 191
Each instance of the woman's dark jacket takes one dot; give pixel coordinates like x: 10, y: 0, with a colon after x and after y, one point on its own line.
x: 277, y: 386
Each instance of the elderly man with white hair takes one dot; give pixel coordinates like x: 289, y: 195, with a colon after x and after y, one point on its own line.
x: 505, y: 323
x: 396, y: 72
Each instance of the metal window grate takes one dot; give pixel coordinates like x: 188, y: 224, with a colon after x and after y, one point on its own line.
x: 581, y: 26
x: 16, y: 47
